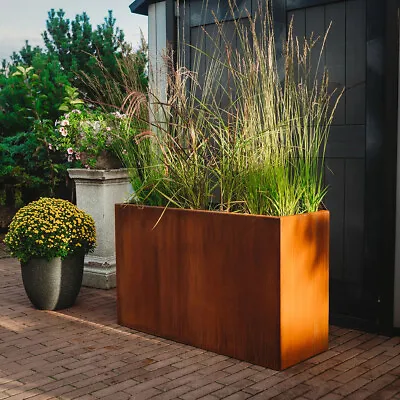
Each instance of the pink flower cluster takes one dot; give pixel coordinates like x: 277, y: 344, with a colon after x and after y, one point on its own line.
x: 70, y: 155
x: 63, y: 131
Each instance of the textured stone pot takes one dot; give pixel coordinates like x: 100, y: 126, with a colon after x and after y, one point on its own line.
x: 54, y: 284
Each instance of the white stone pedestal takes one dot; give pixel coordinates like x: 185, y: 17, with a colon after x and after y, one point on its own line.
x: 97, y: 191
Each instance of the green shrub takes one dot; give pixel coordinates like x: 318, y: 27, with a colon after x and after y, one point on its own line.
x: 39, y: 81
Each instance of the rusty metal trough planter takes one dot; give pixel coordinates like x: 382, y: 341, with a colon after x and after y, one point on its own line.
x: 249, y: 287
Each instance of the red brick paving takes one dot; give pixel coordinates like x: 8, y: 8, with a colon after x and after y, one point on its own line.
x: 82, y: 353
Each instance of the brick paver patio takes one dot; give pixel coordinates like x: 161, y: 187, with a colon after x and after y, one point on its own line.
x: 82, y: 353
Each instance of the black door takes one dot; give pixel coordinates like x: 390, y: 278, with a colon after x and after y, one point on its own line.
x: 361, y: 56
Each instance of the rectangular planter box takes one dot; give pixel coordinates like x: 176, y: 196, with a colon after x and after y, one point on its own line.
x: 250, y: 287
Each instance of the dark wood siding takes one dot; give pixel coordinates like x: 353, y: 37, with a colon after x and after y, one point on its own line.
x: 362, y: 227
x: 345, y: 58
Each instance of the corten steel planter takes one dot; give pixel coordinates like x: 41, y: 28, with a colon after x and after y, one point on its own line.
x: 250, y: 287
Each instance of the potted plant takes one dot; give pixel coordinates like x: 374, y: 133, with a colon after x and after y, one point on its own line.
x: 88, y: 137
x: 235, y: 258
x: 50, y: 238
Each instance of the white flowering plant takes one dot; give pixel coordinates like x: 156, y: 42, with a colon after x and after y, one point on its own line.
x: 85, y: 135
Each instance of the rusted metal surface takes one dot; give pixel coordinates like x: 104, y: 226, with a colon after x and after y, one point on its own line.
x: 304, y: 286
x: 250, y: 287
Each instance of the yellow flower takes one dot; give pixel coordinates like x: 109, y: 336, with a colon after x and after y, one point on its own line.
x: 49, y: 224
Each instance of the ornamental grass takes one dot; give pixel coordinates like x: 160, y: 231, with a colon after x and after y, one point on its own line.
x: 246, y: 129
x: 50, y: 228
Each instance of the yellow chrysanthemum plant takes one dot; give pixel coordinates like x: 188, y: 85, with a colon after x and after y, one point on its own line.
x: 50, y: 228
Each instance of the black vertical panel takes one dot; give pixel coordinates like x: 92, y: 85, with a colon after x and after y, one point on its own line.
x: 299, y: 23
x: 197, y: 58
x: 280, y: 27
x: 259, y: 15
x: 315, y: 29
x: 171, y: 24
x: 355, y: 61
x: 346, y: 141
x: 245, y: 35
x: 258, y: 8
x: 335, y: 55
x: 212, y: 49
x: 391, y: 160
x: 335, y: 203
x: 298, y: 20
x: 184, y: 34
x: 229, y: 30
x: 277, y: 10
x: 374, y: 156
x: 353, y: 267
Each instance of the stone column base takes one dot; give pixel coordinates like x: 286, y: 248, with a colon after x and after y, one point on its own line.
x: 97, y: 192
x: 99, y: 273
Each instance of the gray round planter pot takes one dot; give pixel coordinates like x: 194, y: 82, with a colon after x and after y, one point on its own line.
x: 54, y: 284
